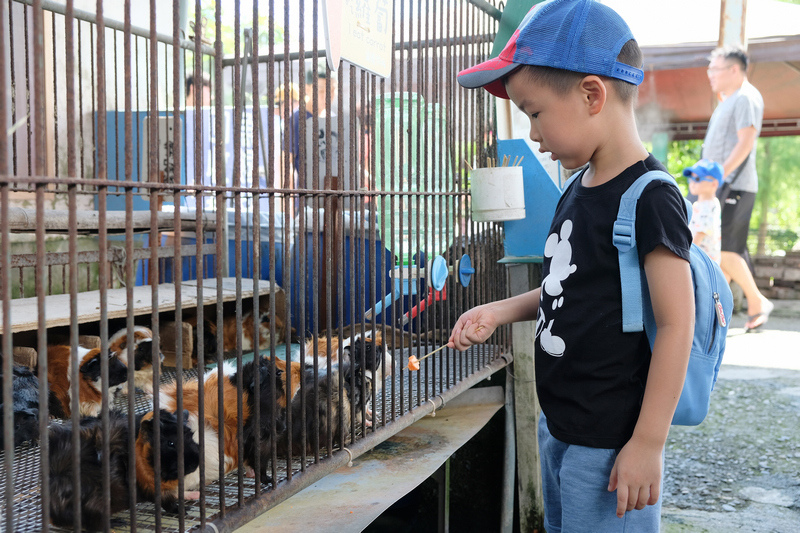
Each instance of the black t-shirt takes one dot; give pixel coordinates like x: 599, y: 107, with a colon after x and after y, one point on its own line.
x: 590, y: 376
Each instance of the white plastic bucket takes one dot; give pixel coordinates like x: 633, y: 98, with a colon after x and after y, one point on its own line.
x: 497, y: 194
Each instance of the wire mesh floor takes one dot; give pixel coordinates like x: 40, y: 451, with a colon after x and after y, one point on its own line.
x: 402, y: 391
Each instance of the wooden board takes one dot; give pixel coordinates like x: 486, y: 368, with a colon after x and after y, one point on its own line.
x: 24, y: 219
x: 24, y: 311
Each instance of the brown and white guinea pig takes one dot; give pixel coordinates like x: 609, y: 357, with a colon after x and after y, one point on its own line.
x: 271, y: 389
x: 313, y: 402
x: 212, y: 425
x: 252, y: 334
x: 59, y: 362
x: 93, y: 497
x: 25, y: 405
x: 145, y: 457
x: 142, y: 355
x: 290, y: 375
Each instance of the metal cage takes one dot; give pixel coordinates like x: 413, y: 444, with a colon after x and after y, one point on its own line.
x: 222, y: 229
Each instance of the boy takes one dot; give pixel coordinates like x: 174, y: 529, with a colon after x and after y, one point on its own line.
x: 705, y: 177
x: 607, y: 402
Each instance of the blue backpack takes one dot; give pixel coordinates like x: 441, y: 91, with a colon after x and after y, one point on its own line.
x: 712, y: 299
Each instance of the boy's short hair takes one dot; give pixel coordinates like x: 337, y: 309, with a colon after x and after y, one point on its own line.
x: 579, y: 36
x: 731, y: 53
x: 562, y: 81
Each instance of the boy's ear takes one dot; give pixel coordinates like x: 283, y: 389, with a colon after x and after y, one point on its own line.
x: 594, y: 93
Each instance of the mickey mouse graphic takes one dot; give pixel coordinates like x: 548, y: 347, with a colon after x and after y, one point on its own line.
x: 559, y: 249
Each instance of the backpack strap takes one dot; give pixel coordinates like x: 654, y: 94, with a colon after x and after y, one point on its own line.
x: 624, y: 239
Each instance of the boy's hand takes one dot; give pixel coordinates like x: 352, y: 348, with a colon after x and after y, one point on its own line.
x: 636, y: 476
x: 473, y: 327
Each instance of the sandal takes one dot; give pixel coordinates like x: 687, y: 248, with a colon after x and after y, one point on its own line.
x: 757, y: 320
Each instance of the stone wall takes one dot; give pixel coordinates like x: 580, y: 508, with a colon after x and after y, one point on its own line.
x: 778, y: 277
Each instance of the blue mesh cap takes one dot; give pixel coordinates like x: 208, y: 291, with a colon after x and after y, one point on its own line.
x: 705, y: 168
x: 579, y: 35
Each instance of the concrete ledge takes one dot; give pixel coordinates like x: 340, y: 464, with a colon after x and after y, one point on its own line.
x: 351, y: 498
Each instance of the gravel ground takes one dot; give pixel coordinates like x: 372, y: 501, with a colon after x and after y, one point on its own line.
x: 740, y: 469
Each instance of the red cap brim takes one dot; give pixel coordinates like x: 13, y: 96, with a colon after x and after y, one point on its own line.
x: 488, y: 75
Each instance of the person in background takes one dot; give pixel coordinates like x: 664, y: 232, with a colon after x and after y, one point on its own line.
x: 192, y: 82
x: 731, y: 141
x: 279, y: 131
x: 705, y: 178
x: 573, y: 67
x: 327, y: 142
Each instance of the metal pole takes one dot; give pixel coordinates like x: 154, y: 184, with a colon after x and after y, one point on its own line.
x: 526, y: 410
x: 509, y: 461
x: 487, y: 8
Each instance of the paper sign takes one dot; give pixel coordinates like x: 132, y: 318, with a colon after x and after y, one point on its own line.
x: 332, y: 20
x: 365, y: 33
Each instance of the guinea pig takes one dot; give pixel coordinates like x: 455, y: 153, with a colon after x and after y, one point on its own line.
x: 93, y: 497
x: 25, y: 404
x: 145, y: 457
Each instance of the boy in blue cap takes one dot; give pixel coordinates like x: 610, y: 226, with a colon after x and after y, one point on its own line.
x: 705, y: 177
x: 573, y: 68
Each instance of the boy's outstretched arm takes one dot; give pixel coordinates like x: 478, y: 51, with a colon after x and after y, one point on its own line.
x: 636, y: 475
x: 478, y: 324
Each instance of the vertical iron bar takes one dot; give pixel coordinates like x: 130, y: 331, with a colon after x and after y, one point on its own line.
x: 73, y: 236
x: 129, y: 274
x: 177, y: 173
x: 12, y: 70
x: 55, y: 92
x: 26, y: 13
x: 238, y: 103
x: 199, y: 165
x: 397, y: 185
x: 103, y: 274
x: 5, y: 275
x: 37, y: 108
x: 155, y: 238
x: 219, y: 164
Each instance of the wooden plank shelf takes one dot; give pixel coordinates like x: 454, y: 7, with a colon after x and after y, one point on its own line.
x: 23, y: 219
x: 24, y: 311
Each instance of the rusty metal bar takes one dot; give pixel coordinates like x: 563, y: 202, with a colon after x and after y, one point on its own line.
x: 5, y: 276
x: 221, y: 210
x: 37, y: 107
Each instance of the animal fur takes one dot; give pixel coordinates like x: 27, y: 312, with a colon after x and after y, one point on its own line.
x: 290, y: 381
x: 368, y: 349
x: 254, y: 332
x: 142, y: 355
x: 25, y: 405
x: 211, y: 422
x: 145, y: 457
x: 93, y: 497
x: 59, y: 363
x: 318, y: 390
x: 269, y: 395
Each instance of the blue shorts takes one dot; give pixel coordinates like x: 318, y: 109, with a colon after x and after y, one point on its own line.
x: 575, y: 486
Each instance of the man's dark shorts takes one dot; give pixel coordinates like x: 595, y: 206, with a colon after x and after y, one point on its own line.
x: 736, y: 214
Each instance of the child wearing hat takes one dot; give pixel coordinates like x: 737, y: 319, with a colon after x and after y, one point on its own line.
x: 705, y: 177
x: 573, y: 67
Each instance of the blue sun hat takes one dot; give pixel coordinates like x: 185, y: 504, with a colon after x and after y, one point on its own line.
x: 582, y: 36
x: 704, y: 170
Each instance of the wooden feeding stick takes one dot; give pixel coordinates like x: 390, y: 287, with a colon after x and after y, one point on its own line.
x: 413, y: 362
